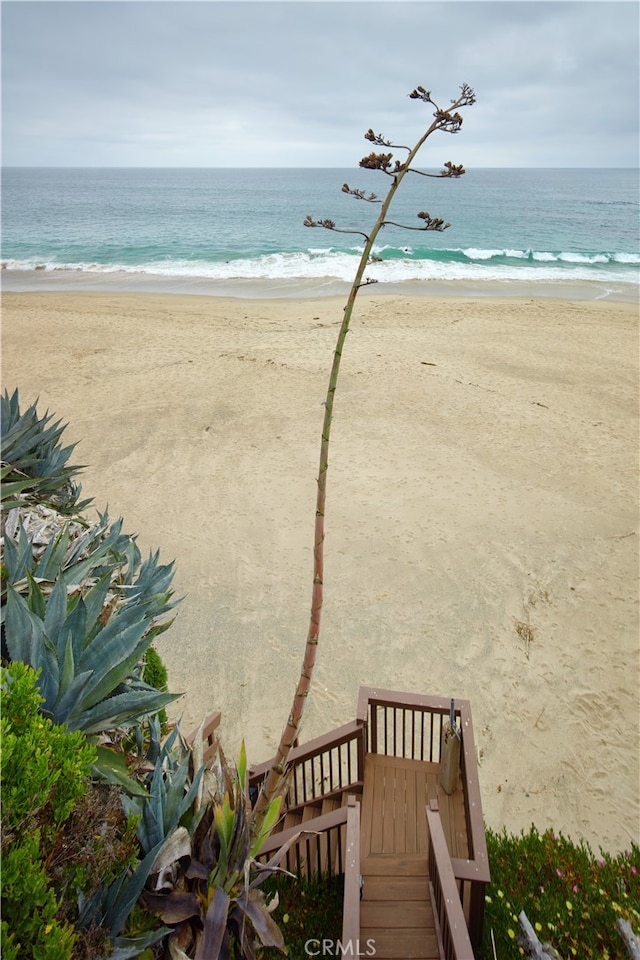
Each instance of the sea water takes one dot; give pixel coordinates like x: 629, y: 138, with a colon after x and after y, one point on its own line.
x: 119, y: 227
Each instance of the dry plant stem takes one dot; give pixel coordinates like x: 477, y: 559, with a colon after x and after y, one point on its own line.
x: 273, y: 781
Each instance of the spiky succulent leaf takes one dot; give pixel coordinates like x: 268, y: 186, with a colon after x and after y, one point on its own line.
x: 252, y: 904
x: 31, y: 448
x: 110, y: 907
x: 87, y: 682
x: 215, y: 926
x: 170, y: 795
x: 110, y: 765
x: 121, y: 710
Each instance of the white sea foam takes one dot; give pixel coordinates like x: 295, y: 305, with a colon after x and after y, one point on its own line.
x: 320, y: 263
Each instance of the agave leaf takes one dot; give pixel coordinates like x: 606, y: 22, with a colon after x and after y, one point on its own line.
x: 215, y: 926
x: 94, y: 600
x: 172, y: 907
x: 11, y: 488
x: 114, y: 660
x: 269, y: 822
x: 175, y: 799
x: 77, y: 627
x: 68, y: 668
x: 129, y: 893
x: 68, y: 701
x: 125, y: 948
x: 103, y: 556
x: 111, y: 907
x: 50, y: 563
x: 111, y: 767
x: 254, y: 907
x: 14, y: 560
x: 24, y: 631
x: 55, y: 612
x: 120, y: 710
x: 36, y: 600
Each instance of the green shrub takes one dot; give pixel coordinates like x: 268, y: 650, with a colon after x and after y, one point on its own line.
x: 307, y: 909
x: 29, y: 925
x: 571, y: 897
x: 155, y: 674
x: 44, y: 774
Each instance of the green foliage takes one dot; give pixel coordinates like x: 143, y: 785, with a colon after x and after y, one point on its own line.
x: 170, y: 799
x: 111, y: 906
x: 210, y: 879
x: 571, y: 897
x: 44, y: 774
x: 38, y: 462
x: 155, y: 674
x: 44, y: 768
x: 77, y: 552
x: 87, y: 651
x: 29, y: 926
x: 307, y: 909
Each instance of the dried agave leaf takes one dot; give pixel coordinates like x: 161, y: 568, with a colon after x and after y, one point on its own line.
x: 178, y: 845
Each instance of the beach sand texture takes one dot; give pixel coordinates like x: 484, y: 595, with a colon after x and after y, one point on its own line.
x: 482, y: 515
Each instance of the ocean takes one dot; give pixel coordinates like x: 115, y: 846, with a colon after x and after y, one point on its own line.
x: 241, y: 230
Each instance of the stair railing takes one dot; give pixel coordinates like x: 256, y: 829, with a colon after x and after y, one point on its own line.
x: 352, y: 882
x: 451, y: 924
x: 329, y: 765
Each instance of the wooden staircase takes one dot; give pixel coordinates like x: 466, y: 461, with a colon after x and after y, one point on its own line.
x: 366, y: 801
x: 396, y: 910
x: 396, y: 916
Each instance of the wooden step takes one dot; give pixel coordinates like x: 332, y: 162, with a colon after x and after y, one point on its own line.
x: 410, y: 944
x: 293, y: 819
x: 395, y: 865
x: 396, y: 914
x: 310, y: 811
x: 331, y: 803
x: 395, y: 889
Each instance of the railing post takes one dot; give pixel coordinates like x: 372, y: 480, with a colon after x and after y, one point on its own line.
x: 351, y: 901
x: 476, y: 916
x: 361, y: 747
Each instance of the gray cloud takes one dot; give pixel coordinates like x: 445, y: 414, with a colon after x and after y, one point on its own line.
x: 296, y: 83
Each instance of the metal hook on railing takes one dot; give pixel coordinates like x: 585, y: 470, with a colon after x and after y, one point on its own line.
x: 452, y: 719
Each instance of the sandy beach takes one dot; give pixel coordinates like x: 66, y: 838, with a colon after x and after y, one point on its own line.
x: 482, y: 516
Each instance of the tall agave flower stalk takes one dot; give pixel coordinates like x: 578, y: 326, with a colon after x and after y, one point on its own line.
x: 449, y: 121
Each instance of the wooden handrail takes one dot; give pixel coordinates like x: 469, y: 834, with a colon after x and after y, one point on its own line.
x: 207, y: 731
x: 316, y: 848
x: 473, y: 802
x: 351, y: 901
x: 451, y: 926
x: 313, y: 748
x: 327, y: 821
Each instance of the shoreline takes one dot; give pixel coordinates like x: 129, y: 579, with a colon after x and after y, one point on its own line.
x: 44, y: 281
x: 483, y: 479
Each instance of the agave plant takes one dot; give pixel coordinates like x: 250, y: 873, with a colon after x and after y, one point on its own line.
x: 43, y: 543
x: 87, y: 654
x: 172, y: 797
x: 110, y: 907
x: 205, y: 883
x: 34, y: 463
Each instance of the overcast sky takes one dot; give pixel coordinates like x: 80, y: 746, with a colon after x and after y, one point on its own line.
x: 270, y: 83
